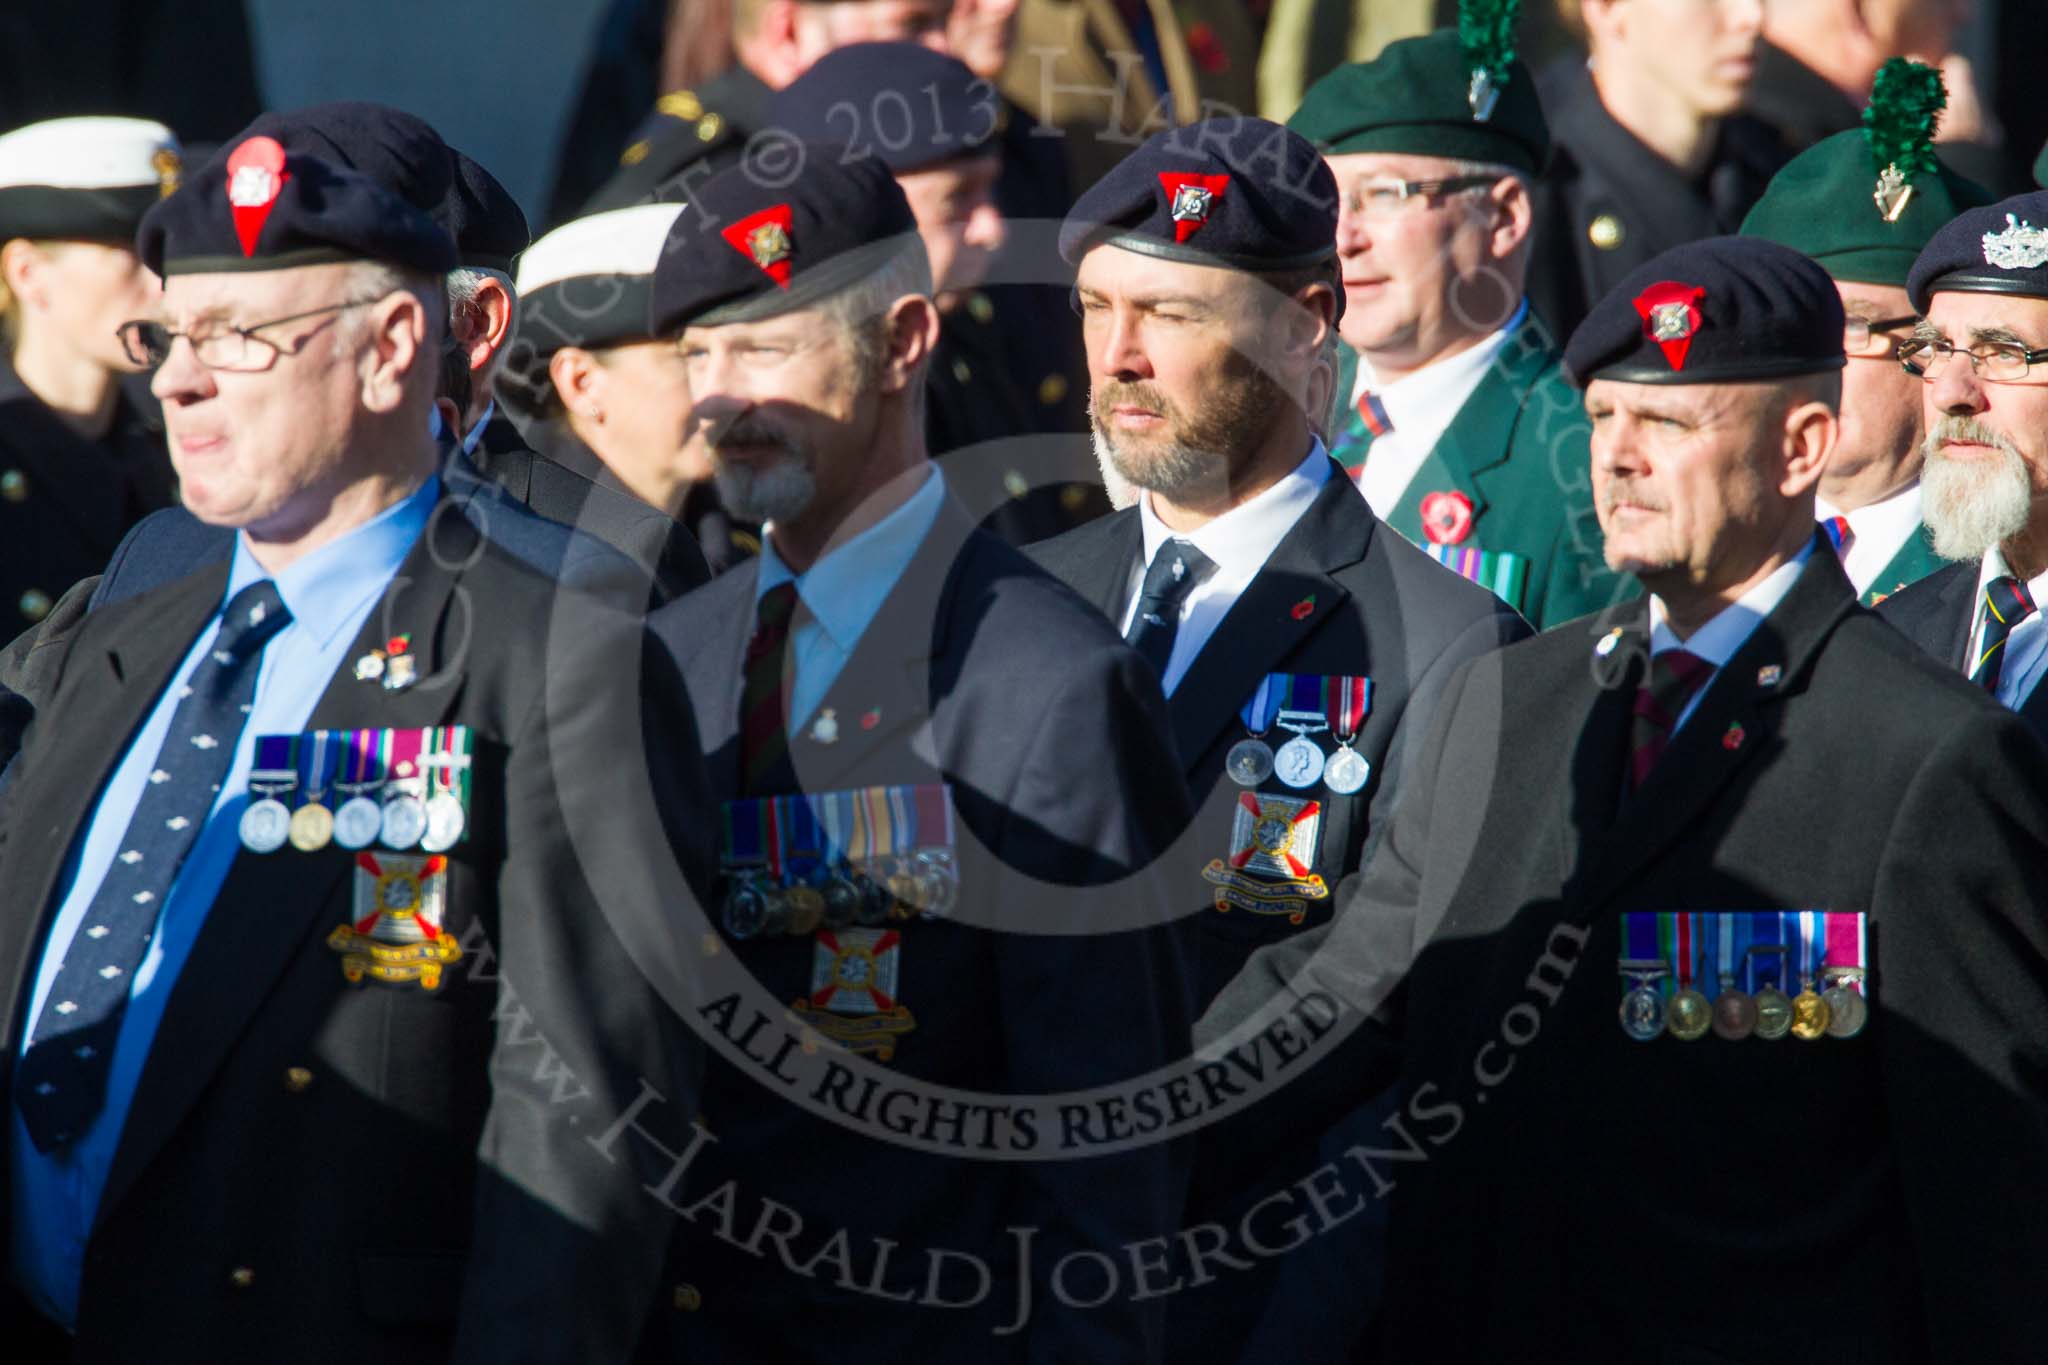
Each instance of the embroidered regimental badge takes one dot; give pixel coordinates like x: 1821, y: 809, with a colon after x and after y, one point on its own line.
x: 1271, y: 867
x: 401, y: 904
x: 2021, y: 246
x: 853, y: 1001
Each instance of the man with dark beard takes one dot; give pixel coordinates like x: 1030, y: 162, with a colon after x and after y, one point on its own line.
x: 1302, y: 642
x: 961, y: 774
x: 1982, y: 288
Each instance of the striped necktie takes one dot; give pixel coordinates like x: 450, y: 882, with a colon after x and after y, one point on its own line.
x: 1675, y: 675
x: 2006, y: 603
x: 764, y: 692
x: 1839, y: 535
x: 1368, y: 421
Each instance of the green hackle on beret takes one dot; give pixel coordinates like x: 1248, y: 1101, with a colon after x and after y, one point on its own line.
x: 1486, y: 33
x: 1417, y: 99
x: 1864, y: 202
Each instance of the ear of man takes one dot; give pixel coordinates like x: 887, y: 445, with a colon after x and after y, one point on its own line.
x: 912, y: 328
x: 396, y: 356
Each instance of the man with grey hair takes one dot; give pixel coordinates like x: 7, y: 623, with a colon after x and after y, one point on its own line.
x: 972, y: 772
x: 1981, y: 286
x: 1457, y: 424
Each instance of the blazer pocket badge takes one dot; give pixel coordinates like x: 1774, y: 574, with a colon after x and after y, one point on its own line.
x: 1271, y: 867
x: 399, y: 932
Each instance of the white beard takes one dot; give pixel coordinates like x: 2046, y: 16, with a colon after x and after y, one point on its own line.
x: 1971, y: 506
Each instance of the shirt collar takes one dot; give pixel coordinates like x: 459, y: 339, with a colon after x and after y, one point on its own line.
x: 328, y: 588
x: 848, y: 585
x: 1731, y: 627
x: 1896, y: 513
x: 1415, y: 398
x: 475, y: 435
x: 1994, y: 566
x: 1246, y: 536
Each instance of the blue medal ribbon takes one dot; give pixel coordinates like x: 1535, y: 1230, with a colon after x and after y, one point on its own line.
x: 1258, y: 713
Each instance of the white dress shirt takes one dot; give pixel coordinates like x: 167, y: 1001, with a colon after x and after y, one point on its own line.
x: 1730, y: 629
x: 1421, y: 407
x: 1240, y: 542
x: 1878, y: 532
x: 2026, y: 648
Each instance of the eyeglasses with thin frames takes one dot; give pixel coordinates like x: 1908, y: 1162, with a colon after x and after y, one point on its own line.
x: 237, y: 349
x: 1391, y: 198
x: 1996, y: 362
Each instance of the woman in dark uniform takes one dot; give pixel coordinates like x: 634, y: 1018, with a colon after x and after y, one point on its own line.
x: 82, y: 454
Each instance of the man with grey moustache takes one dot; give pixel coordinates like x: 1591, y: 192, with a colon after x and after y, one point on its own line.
x: 1981, y: 287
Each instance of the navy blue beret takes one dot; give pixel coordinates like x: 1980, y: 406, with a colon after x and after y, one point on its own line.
x: 751, y: 247
x: 488, y: 225
x: 1724, y: 310
x: 1238, y: 192
x: 902, y: 102
x: 2001, y: 248
x: 263, y: 204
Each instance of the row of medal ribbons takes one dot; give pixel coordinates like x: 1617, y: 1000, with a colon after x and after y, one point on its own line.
x: 796, y: 864
x: 1306, y: 704
x: 394, y: 789
x: 1744, y: 974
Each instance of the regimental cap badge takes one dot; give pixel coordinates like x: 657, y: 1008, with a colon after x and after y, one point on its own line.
x: 256, y: 176
x: 1486, y: 36
x: 1671, y: 316
x: 767, y: 239
x: 1906, y: 103
x: 1191, y: 199
x: 170, y: 169
x: 2021, y: 246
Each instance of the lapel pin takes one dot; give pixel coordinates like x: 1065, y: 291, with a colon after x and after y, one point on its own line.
x: 1304, y: 607
x: 370, y: 667
x: 1732, y: 740
x: 1608, y: 642
x: 825, y: 730
x: 871, y: 719
x: 1768, y: 675
x: 400, y: 672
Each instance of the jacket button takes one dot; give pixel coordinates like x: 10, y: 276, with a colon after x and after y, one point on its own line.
x: 14, y: 486
x: 688, y: 1300
x: 35, y: 604
x: 241, y: 1277
x: 297, y: 1078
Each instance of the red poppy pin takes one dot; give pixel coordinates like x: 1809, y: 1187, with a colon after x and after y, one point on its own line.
x: 1732, y: 740
x: 256, y: 177
x: 871, y: 719
x: 398, y: 644
x: 1671, y: 314
x: 1446, y: 517
x: 1304, y: 608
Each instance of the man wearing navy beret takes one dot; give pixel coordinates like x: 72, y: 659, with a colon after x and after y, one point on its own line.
x: 293, y: 902
x: 1696, y: 1026
x: 1981, y: 353
x: 971, y: 777
x: 1301, y: 642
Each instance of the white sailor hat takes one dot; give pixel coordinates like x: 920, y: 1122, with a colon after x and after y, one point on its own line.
x: 84, y: 177
x: 586, y: 284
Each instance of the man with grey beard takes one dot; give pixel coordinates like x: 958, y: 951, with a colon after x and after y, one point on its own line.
x: 1302, y: 642
x: 1981, y: 286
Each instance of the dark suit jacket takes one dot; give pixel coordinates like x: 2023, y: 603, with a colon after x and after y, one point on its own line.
x: 982, y: 672
x: 1378, y: 607
x: 1937, y: 613
x: 1553, y: 1180
x: 429, y: 1190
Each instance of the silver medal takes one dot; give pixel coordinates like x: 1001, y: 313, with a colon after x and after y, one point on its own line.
x: 1642, y: 1013
x: 358, y: 823
x: 405, y: 820
x: 1299, y: 763
x: 1346, y: 771
x: 266, y: 824
x: 1249, y: 762
x: 445, y: 822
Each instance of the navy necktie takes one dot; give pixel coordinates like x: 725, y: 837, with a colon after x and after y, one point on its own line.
x: 62, y: 1082
x: 2007, y: 602
x: 1174, y: 572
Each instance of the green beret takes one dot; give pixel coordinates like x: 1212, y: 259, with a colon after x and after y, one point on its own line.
x: 1839, y: 201
x: 1418, y: 98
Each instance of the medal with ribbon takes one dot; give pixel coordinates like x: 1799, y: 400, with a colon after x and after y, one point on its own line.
x: 1734, y: 1010
x: 1845, y: 973
x: 405, y: 789
x: 1643, y: 965
x: 752, y: 859
x: 266, y: 822
x: 803, y: 863
x: 446, y: 765
x: 313, y: 822
x: 1809, y: 1011
x: 1299, y: 762
x: 1764, y: 962
x: 1346, y: 701
x: 1687, y: 1014
x: 358, y: 820
x: 1250, y: 761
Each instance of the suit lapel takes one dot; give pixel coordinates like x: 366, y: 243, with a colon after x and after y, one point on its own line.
x: 1601, y: 720
x: 1101, y: 569
x: 268, y: 904
x: 1914, y: 561
x: 1286, y: 603
x: 714, y: 669
x: 1477, y: 441
x: 1735, y: 722
x: 116, y: 686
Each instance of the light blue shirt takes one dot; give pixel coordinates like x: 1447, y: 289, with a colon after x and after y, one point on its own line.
x: 844, y: 590
x: 1730, y: 628
x: 330, y: 593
